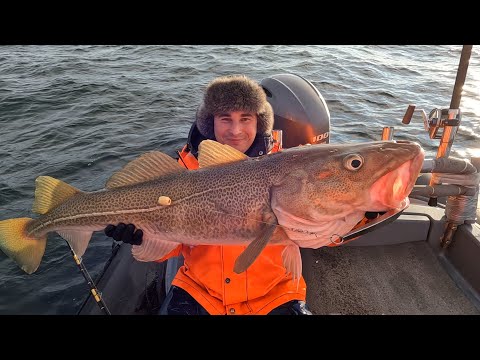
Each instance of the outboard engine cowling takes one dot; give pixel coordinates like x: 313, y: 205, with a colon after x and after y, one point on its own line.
x: 300, y: 110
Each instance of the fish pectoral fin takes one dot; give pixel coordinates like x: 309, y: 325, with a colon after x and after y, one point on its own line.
x: 149, y: 166
x: 254, y: 249
x: 291, y: 256
x: 51, y: 192
x: 78, y: 239
x: 211, y: 153
x: 153, y: 248
x: 292, y: 260
x: 279, y: 237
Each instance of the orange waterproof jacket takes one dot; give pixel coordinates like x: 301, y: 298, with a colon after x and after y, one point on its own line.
x: 207, y: 275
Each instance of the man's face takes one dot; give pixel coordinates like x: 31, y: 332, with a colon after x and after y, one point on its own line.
x: 236, y: 128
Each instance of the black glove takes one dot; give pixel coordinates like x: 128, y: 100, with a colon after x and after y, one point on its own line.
x: 125, y: 233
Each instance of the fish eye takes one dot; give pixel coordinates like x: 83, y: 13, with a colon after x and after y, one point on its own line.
x: 353, y: 162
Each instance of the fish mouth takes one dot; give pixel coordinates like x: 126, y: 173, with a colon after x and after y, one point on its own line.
x: 390, y: 191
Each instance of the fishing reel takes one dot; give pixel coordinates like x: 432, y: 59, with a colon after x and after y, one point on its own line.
x: 437, y: 121
x: 461, y: 197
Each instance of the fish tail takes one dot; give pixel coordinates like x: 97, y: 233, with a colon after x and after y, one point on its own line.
x: 27, y: 251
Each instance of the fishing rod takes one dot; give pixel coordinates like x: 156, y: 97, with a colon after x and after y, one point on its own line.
x: 458, y: 207
x: 93, y: 288
x: 453, y: 116
x: 443, y: 123
x: 461, y: 201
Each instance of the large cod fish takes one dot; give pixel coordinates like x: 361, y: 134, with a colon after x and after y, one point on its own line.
x: 299, y: 197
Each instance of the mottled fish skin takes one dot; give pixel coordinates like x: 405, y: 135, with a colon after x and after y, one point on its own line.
x: 310, y: 192
x: 228, y: 203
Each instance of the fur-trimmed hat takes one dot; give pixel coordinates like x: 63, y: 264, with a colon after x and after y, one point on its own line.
x: 234, y: 93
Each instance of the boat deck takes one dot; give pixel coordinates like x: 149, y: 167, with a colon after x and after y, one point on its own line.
x: 396, y: 279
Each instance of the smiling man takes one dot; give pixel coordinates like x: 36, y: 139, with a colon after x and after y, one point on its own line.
x: 235, y: 112
x: 237, y: 129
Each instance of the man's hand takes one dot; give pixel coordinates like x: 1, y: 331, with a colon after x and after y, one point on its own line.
x: 125, y: 233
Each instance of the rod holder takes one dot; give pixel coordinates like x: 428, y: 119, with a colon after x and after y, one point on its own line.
x: 387, y: 133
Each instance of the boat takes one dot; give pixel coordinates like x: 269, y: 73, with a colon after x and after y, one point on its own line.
x: 420, y: 260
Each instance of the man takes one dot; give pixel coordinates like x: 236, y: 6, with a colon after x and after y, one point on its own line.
x: 235, y: 112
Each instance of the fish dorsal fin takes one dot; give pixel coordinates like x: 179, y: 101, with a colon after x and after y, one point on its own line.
x: 211, y: 153
x: 148, y: 166
x: 51, y: 192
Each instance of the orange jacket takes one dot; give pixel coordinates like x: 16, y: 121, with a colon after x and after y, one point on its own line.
x: 207, y: 275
